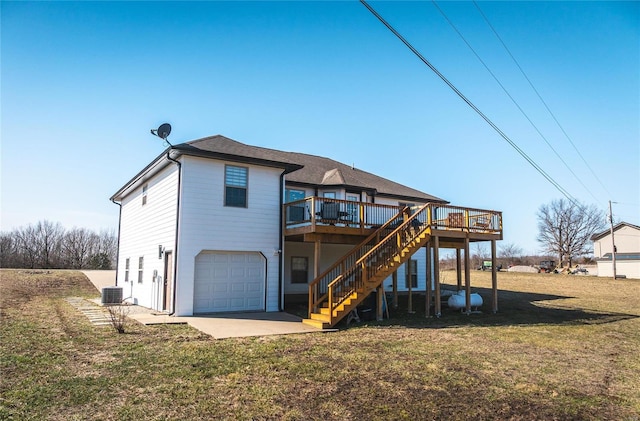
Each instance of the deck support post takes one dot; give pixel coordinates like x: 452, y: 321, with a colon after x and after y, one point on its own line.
x: 407, y: 276
x: 428, y: 279
x: 394, y: 278
x: 436, y: 275
x: 379, y: 301
x: 316, y: 258
x: 494, y: 278
x: 459, y: 269
x: 467, y: 277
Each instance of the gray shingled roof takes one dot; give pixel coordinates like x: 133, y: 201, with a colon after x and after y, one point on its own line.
x: 316, y: 170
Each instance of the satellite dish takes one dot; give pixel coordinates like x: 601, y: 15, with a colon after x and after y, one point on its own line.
x: 163, y: 131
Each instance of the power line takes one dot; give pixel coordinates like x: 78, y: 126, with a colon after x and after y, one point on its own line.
x: 512, y: 99
x: 540, y: 97
x: 564, y: 192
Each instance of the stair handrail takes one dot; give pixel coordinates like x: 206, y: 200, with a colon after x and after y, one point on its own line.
x: 314, y: 299
x: 358, y: 265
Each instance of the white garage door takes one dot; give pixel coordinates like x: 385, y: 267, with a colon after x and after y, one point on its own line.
x: 229, y: 281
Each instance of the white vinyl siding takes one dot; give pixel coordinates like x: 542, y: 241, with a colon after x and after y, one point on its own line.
x: 627, y: 241
x: 208, y: 225
x: 142, y: 229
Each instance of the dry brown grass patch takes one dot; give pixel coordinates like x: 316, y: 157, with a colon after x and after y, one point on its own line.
x: 561, y: 348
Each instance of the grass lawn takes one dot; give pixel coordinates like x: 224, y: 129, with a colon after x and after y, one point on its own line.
x: 561, y: 348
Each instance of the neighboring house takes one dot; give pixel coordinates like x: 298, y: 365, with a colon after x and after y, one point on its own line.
x: 215, y: 225
x: 627, y: 241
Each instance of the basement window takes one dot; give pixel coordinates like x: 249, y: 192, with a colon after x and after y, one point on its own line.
x: 414, y: 275
x: 299, y: 270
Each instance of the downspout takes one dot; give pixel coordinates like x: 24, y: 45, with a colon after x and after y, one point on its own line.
x: 175, y: 248
x: 119, y: 225
x: 281, y: 245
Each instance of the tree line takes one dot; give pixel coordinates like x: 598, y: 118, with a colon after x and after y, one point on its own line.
x: 48, y: 245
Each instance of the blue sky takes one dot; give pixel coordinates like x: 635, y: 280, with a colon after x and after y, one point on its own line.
x: 82, y: 84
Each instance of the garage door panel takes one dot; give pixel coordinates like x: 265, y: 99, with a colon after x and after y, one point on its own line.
x: 253, y: 287
x: 219, y: 288
x: 238, y: 288
x: 217, y: 303
x: 253, y: 272
x: 238, y: 272
x: 202, y: 291
x: 237, y: 303
x: 229, y: 281
x: 254, y: 302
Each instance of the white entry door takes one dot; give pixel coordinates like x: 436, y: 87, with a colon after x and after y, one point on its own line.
x: 229, y: 281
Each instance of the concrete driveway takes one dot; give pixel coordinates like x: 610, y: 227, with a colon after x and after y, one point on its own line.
x: 235, y: 325
x: 219, y: 326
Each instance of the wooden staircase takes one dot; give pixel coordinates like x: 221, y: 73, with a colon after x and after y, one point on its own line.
x: 342, y: 287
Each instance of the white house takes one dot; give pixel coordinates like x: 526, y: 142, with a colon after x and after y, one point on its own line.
x: 627, y: 242
x: 215, y: 225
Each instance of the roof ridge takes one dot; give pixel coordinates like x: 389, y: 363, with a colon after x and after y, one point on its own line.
x: 314, y: 169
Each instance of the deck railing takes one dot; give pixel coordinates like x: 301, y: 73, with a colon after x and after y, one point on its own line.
x: 446, y: 217
x: 346, y: 213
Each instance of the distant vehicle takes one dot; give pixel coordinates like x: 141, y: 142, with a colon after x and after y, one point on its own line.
x: 547, y: 266
x: 486, y: 265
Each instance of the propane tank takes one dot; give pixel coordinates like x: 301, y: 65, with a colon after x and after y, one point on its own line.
x: 458, y: 300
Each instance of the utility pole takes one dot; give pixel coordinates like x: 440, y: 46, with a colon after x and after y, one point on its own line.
x: 613, y: 243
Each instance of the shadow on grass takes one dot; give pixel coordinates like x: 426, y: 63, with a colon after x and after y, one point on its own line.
x: 514, y: 309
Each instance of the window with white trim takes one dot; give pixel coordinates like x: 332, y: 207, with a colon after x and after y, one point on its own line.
x: 126, y: 270
x: 145, y: 188
x: 140, y: 266
x: 235, y: 186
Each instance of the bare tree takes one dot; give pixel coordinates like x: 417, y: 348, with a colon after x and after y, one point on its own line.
x: 8, y: 250
x: 49, y: 243
x: 78, y: 244
x: 510, y: 252
x: 565, y: 228
x: 27, y: 246
x: 108, y: 248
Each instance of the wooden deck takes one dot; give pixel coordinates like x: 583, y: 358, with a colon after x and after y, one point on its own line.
x: 345, y: 222
x: 334, y: 293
